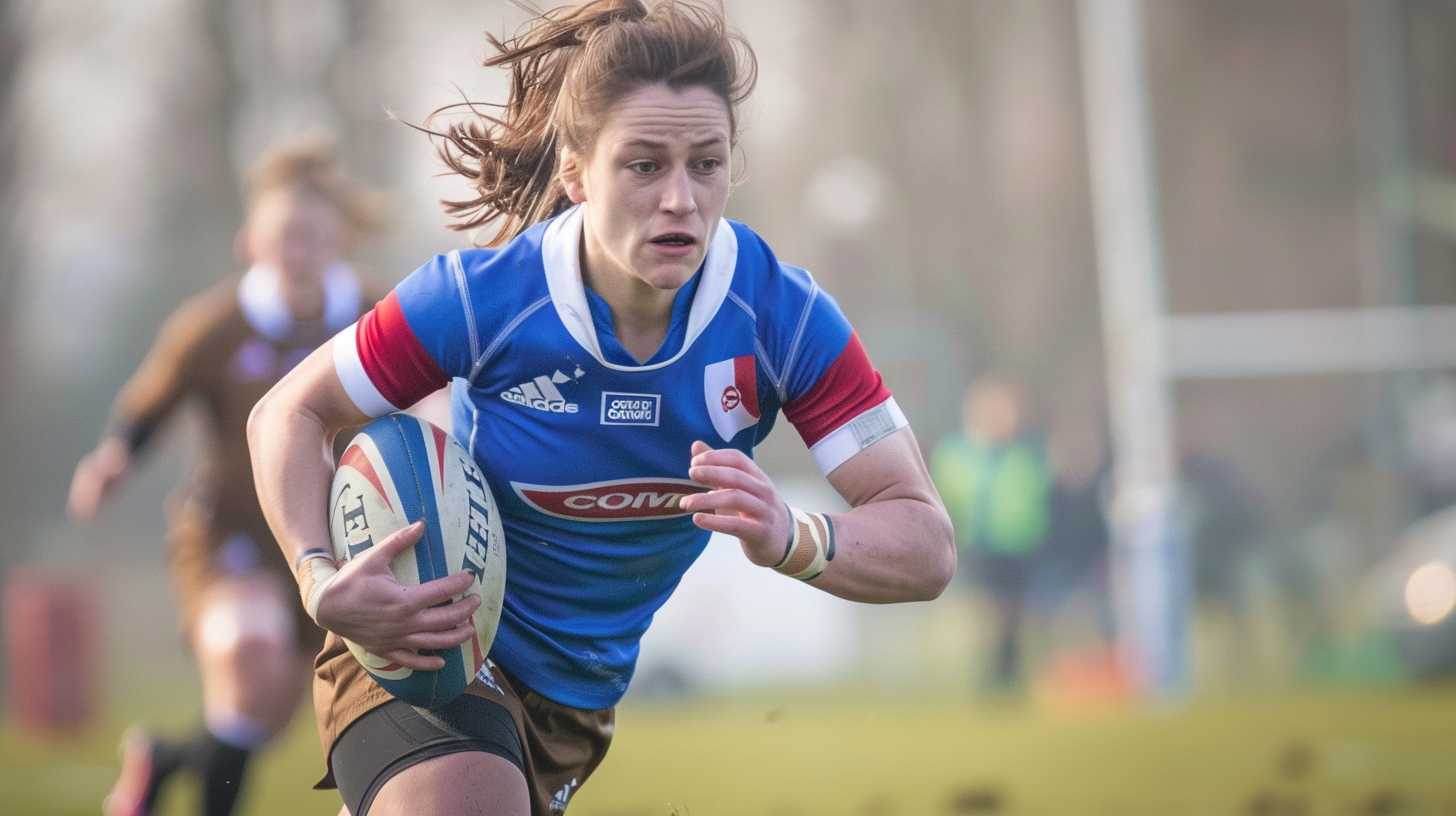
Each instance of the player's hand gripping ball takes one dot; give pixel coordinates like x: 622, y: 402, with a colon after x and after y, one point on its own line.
x: 399, y: 470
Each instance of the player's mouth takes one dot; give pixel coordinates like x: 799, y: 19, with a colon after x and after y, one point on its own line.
x: 674, y: 243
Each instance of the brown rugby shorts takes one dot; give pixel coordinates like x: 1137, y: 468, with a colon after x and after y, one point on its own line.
x: 202, y: 551
x: 368, y: 736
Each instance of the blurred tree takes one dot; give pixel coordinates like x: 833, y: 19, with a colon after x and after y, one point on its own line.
x: 201, y: 194
x: 13, y: 23
x: 267, y: 72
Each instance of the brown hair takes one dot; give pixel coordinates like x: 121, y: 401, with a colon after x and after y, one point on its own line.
x: 312, y: 165
x: 568, y: 67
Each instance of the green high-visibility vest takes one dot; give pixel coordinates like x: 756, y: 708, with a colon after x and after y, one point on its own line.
x: 996, y: 495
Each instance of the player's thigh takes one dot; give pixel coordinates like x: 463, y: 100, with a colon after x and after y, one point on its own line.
x: 465, y: 757
x: 247, y: 614
x: 469, y: 782
x: 246, y: 645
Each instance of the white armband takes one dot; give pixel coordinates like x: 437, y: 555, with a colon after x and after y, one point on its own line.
x: 862, y: 431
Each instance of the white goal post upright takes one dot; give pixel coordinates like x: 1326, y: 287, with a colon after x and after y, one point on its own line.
x: 1147, y: 349
x: 1149, y: 570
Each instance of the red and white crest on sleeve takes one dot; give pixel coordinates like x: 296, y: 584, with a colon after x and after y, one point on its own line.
x: 730, y: 388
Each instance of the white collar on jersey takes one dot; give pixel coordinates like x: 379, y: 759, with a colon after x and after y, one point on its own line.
x: 260, y: 293
x: 561, y: 250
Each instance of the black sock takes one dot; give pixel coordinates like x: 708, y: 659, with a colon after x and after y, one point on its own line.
x: 220, y: 770
x: 167, y: 757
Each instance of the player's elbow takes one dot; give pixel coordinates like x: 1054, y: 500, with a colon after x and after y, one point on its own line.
x: 939, y: 565
x: 259, y: 418
x: 943, y: 564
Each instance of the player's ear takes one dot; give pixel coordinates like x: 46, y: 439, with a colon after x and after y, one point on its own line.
x: 571, y: 176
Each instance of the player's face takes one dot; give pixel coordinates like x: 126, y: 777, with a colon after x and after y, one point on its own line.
x: 656, y: 183
x: 298, y: 232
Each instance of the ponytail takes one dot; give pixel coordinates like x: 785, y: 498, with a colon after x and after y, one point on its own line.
x: 568, y: 66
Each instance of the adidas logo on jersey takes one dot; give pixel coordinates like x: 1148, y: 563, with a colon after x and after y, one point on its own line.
x: 486, y: 676
x: 563, y: 794
x: 542, y: 394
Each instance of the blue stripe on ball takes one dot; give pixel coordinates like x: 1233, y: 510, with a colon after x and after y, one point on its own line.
x: 430, y: 552
x: 401, y: 442
x: 389, y: 436
x: 416, y: 437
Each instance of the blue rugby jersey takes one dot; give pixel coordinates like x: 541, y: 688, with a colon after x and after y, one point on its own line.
x: 587, y: 451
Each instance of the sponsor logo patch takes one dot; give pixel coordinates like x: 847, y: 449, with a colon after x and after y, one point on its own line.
x: 615, y: 500
x: 730, y: 389
x: 630, y: 409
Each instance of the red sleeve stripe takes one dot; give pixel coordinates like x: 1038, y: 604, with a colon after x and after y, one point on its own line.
x: 351, y: 373
x: 392, y: 357
x: 850, y: 387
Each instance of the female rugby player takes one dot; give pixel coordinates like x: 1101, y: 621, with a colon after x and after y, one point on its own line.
x: 222, y: 350
x: 615, y: 355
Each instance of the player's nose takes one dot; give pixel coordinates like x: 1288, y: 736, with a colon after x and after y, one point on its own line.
x: 677, y: 193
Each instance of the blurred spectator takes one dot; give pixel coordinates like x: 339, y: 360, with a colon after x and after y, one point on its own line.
x: 1430, y: 427
x: 993, y: 476
x: 1225, y: 521
x: 1075, y: 564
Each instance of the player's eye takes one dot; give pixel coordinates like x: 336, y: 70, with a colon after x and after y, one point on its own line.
x: 643, y: 166
x: 709, y: 164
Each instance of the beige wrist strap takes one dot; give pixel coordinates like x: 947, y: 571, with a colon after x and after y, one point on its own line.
x: 811, y: 546
x: 316, y: 571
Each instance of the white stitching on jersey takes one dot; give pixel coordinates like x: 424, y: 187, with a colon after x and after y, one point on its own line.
x: 758, y: 350
x: 733, y: 296
x: 504, y: 333
x: 773, y: 376
x: 799, y: 333
x: 474, y: 427
x: 459, y: 269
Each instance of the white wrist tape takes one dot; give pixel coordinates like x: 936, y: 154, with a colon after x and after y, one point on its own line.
x: 316, y: 572
x: 811, y: 547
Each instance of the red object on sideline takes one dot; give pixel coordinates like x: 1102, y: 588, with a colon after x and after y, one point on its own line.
x: 52, y: 659
x: 1090, y: 679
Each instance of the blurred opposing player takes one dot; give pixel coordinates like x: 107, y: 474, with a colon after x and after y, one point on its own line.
x: 618, y: 321
x: 221, y: 351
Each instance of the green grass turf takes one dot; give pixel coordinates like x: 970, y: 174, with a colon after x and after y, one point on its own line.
x: 915, y: 754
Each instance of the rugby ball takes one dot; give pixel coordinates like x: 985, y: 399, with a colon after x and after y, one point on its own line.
x: 400, y: 469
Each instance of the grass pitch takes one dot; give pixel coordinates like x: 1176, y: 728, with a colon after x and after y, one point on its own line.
x: 913, y: 754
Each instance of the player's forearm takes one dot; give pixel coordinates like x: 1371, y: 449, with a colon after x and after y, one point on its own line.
x: 890, y: 551
x: 286, y: 443
x: 144, y: 405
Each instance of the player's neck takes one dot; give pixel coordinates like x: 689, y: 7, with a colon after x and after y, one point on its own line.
x: 305, y: 298
x: 640, y: 313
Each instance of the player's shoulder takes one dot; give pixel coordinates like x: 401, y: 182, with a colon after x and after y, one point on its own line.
x: 773, y: 289
x: 493, y: 277
x: 207, y: 315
